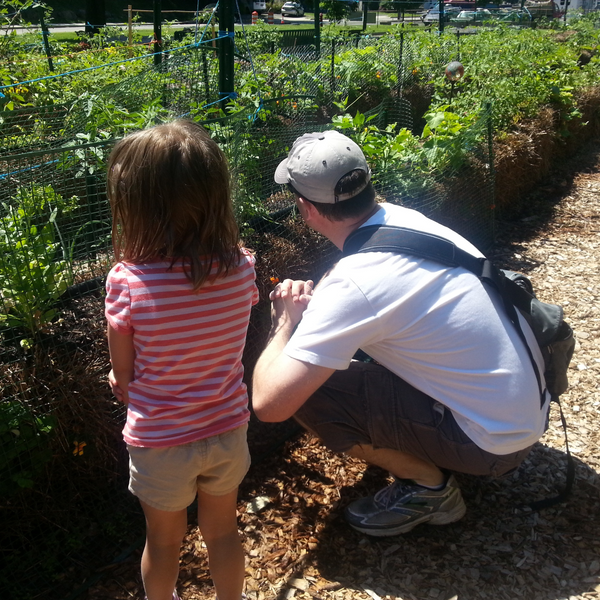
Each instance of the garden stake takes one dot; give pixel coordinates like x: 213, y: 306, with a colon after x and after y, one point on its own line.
x: 46, y: 44
x: 157, y: 33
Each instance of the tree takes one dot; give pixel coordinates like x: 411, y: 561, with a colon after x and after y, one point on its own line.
x: 337, y: 10
x: 95, y: 16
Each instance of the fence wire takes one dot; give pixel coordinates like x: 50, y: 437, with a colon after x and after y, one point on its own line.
x: 64, y: 509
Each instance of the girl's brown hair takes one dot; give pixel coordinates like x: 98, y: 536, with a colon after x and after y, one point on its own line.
x: 169, y: 192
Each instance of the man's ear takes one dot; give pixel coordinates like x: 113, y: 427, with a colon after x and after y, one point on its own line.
x: 307, y: 209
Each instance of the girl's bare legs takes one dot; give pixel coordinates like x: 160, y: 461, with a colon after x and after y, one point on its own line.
x: 160, y: 560
x: 217, y: 519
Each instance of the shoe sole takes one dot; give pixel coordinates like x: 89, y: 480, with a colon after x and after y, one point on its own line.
x: 437, y: 518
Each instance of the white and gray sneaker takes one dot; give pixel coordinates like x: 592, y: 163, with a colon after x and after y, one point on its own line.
x: 403, y: 505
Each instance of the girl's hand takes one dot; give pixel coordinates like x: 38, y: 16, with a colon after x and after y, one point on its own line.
x: 116, y: 390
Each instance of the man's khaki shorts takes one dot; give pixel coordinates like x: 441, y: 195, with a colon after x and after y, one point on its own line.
x: 368, y: 405
x: 168, y: 478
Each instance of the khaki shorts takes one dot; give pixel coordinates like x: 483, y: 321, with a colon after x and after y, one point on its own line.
x: 168, y: 478
x: 369, y: 405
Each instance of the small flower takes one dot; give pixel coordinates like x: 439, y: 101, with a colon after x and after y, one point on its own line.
x: 274, y: 280
x: 378, y: 75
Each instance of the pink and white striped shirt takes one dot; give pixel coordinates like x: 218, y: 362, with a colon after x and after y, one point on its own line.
x: 188, y: 366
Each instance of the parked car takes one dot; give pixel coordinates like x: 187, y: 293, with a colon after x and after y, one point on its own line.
x: 471, y: 17
x: 433, y: 15
x: 259, y: 6
x: 515, y: 17
x: 292, y: 9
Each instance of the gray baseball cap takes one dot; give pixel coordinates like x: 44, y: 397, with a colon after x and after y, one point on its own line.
x: 316, y: 163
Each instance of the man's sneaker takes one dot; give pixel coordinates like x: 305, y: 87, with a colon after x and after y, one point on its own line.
x: 403, y: 505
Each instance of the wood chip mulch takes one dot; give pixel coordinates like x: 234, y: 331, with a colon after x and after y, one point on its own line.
x: 290, y: 512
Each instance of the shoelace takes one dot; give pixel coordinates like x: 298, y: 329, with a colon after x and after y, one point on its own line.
x: 394, y: 492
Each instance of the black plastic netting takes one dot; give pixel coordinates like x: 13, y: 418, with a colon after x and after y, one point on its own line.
x: 64, y: 508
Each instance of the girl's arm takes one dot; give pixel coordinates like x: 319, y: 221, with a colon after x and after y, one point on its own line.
x: 122, y: 357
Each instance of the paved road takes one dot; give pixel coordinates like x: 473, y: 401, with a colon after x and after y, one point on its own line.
x: 277, y: 20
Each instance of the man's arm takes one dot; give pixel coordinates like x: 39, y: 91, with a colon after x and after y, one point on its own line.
x: 122, y: 357
x: 281, y: 384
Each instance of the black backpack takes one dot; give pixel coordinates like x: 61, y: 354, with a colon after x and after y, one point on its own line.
x: 553, y: 335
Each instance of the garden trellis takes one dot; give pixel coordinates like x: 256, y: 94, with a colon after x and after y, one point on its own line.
x: 62, y: 465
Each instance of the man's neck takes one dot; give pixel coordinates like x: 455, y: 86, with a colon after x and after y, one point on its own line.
x: 342, y: 229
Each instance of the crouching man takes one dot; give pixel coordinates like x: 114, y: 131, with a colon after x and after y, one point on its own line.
x: 451, y: 387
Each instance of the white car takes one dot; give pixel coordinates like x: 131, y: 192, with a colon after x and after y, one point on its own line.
x: 471, y: 17
x: 292, y: 9
x: 433, y: 15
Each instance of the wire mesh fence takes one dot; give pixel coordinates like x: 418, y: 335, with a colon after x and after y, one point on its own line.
x: 64, y: 509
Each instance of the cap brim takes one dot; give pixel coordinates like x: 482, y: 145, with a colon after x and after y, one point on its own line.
x: 281, y: 172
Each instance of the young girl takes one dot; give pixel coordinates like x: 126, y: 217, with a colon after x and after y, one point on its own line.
x: 177, y: 306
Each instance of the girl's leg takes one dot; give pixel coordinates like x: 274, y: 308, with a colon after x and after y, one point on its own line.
x: 217, y: 519
x: 160, y: 560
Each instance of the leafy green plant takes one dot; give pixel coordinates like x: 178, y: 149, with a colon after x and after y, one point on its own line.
x: 35, y: 268
x: 442, y: 138
x: 398, y: 160
x: 24, y: 446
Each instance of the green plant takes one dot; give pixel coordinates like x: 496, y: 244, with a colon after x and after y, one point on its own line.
x: 35, y: 268
x: 397, y: 158
x: 24, y: 446
x: 12, y: 14
x: 443, y: 135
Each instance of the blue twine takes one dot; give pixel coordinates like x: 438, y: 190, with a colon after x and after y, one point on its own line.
x: 207, y: 24
x: 225, y: 96
x: 118, y: 62
x: 5, y: 175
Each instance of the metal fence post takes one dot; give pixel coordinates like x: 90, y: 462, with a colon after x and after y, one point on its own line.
x: 226, y: 47
x: 157, y: 32
x: 317, y: 27
x: 332, y: 71
x: 130, y: 30
x: 206, y: 79
x: 45, y: 38
x: 400, y: 72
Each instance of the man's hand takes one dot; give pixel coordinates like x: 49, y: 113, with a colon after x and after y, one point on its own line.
x: 288, y: 302
x: 282, y: 384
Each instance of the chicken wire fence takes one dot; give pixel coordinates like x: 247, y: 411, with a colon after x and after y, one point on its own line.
x: 64, y: 509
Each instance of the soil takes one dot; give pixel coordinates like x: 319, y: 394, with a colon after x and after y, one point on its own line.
x: 291, y: 504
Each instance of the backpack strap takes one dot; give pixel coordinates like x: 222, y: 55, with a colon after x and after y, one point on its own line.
x: 388, y: 238
x: 570, y: 476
